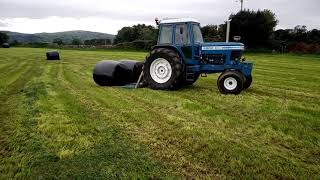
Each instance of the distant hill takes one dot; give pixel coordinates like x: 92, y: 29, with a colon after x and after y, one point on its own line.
x: 66, y: 36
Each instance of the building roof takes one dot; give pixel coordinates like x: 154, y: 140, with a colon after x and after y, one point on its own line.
x: 178, y: 20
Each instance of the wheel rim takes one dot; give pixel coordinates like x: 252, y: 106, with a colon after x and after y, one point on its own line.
x: 160, y: 70
x: 230, y: 83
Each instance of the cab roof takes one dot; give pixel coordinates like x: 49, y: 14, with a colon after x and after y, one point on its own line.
x: 178, y: 20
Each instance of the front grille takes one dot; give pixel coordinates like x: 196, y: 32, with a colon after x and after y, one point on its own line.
x: 215, y: 59
x: 236, y: 55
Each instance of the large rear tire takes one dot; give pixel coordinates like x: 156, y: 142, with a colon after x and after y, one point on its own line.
x: 230, y: 82
x: 163, y: 69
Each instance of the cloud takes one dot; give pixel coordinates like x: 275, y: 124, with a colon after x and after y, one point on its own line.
x: 125, y: 9
x: 4, y: 24
x: 126, y: 12
x: 291, y: 12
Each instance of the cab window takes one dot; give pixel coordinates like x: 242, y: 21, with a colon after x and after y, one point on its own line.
x: 197, y: 34
x: 166, y: 34
x: 182, y: 35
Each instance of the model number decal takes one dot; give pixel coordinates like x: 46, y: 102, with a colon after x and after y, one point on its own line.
x: 207, y: 48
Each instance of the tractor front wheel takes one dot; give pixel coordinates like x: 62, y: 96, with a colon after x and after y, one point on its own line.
x: 163, y: 69
x: 247, y: 82
x: 230, y: 82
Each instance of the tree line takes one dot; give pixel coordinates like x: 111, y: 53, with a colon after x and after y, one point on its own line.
x: 76, y: 41
x: 139, y: 36
x: 4, y: 38
x: 256, y: 29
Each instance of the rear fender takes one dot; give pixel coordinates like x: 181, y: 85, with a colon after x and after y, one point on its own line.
x: 172, y: 48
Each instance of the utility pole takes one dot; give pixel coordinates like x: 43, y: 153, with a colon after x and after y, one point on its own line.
x: 241, y: 1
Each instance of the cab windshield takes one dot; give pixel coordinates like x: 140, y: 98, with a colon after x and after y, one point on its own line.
x: 197, y: 34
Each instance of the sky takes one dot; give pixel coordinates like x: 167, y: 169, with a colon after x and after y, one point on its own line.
x: 109, y: 16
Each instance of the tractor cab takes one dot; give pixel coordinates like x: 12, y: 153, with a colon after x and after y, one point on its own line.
x: 185, y: 36
x: 181, y: 55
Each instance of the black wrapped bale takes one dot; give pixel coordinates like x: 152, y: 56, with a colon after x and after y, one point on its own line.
x: 6, y: 45
x: 116, y: 73
x: 53, y: 55
x: 111, y: 73
x: 135, y: 68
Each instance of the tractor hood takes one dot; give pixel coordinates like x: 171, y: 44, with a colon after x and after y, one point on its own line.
x: 222, y: 46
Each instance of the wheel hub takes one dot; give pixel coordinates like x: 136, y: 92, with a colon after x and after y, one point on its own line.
x: 160, y: 70
x: 230, y: 83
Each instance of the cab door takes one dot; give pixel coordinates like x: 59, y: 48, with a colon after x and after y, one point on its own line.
x: 197, y: 41
x: 183, y: 40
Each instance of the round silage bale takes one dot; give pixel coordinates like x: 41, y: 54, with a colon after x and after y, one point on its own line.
x: 135, y: 68
x: 53, y: 55
x: 111, y: 73
x: 6, y: 45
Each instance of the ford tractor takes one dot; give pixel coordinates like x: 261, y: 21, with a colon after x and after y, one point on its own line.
x: 181, y: 56
x: 178, y: 59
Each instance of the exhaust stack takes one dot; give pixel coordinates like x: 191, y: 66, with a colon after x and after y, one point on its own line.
x: 228, y: 31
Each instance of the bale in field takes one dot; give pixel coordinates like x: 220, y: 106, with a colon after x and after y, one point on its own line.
x: 110, y: 73
x: 53, y: 55
x: 6, y: 45
x: 135, y: 68
x: 116, y: 73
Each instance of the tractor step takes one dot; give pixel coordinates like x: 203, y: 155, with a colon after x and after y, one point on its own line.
x: 190, y: 75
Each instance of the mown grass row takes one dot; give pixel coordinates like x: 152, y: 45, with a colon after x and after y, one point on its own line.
x: 58, y: 123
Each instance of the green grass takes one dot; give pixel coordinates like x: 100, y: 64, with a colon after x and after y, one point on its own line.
x: 56, y: 123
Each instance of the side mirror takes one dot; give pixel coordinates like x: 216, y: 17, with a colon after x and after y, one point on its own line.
x: 157, y: 21
x: 237, y: 38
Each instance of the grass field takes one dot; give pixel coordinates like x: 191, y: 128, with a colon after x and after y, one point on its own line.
x: 56, y: 123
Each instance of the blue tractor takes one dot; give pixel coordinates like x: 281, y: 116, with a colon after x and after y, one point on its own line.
x: 181, y: 56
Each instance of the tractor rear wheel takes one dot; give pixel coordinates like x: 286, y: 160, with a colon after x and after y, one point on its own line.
x: 230, y: 82
x: 247, y: 82
x: 163, y: 69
